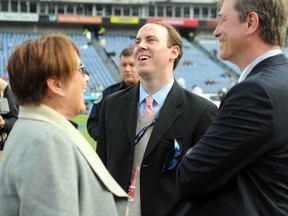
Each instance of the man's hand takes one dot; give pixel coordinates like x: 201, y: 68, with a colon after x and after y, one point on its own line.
x: 2, y: 122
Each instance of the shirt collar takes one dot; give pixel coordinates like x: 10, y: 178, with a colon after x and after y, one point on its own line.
x: 250, y: 67
x: 159, y: 97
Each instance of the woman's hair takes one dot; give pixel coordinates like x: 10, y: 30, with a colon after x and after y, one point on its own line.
x: 36, y: 60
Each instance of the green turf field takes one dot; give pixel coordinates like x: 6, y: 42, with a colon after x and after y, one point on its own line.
x: 81, y: 120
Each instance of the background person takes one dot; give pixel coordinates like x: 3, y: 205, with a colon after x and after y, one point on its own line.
x: 144, y: 164
x: 129, y: 77
x: 48, y: 166
x: 240, y: 167
x: 7, y: 119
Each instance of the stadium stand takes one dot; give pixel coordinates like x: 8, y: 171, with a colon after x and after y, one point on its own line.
x: 121, y: 21
x: 195, y: 67
x: 198, y: 69
x: 200, y: 64
x: 99, y: 74
x: 213, y: 46
x: 116, y: 44
x: 9, y: 41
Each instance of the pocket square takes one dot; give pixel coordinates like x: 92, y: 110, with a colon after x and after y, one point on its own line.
x: 173, y: 156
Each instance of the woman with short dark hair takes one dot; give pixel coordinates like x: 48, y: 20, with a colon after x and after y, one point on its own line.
x: 48, y: 166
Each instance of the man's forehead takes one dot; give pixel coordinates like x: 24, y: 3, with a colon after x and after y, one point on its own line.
x: 151, y: 30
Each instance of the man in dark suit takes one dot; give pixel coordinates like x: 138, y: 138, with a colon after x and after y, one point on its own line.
x: 240, y: 166
x: 142, y: 152
x: 129, y: 76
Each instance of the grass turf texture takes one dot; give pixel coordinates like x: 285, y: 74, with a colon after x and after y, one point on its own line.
x: 81, y: 120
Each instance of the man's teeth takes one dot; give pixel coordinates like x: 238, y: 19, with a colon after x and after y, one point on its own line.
x: 142, y: 58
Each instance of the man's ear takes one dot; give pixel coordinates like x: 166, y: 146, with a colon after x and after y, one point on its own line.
x: 56, y: 86
x: 252, y: 20
x: 175, y: 52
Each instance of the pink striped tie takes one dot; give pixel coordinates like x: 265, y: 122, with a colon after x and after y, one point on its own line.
x: 149, y: 107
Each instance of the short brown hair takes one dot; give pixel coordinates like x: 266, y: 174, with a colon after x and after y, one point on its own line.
x: 36, y: 60
x: 174, y: 39
x: 128, y: 51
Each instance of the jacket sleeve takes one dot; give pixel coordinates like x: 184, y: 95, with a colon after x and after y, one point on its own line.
x: 12, y: 116
x: 93, y: 119
x: 234, y: 141
x: 207, y: 117
x: 92, y: 122
x: 101, y: 147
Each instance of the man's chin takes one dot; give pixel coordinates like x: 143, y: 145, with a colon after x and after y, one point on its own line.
x: 129, y: 82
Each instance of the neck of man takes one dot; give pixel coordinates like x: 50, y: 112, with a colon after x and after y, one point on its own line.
x: 254, y: 52
x: 152, y: 86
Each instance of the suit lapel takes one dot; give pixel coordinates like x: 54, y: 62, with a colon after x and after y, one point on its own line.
x: 129, y: 110
x: 168, y: 115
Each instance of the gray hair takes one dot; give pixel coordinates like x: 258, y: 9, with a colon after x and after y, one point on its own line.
x: 272, y: 17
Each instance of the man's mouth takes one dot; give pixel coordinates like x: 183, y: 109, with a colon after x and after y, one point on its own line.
x: 143, y: 58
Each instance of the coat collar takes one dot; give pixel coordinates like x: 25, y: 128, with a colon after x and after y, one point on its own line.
x: 269, y: 62
x: 129, y: 108
x: 45, y: 113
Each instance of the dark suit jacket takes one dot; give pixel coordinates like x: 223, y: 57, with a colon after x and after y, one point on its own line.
x: 240, y: 167
x: 184, y: 116
x: 92, y: 122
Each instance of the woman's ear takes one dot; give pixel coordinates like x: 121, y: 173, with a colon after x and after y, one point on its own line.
x: 56, y: 86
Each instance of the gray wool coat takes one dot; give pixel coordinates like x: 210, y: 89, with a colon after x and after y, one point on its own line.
x: 49, y: 168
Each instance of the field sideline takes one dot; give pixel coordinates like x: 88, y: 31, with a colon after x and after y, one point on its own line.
x: 81, y: 120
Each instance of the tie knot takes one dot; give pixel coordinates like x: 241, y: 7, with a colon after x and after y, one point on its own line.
x: 149, y: 107
x: 149, y: 101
